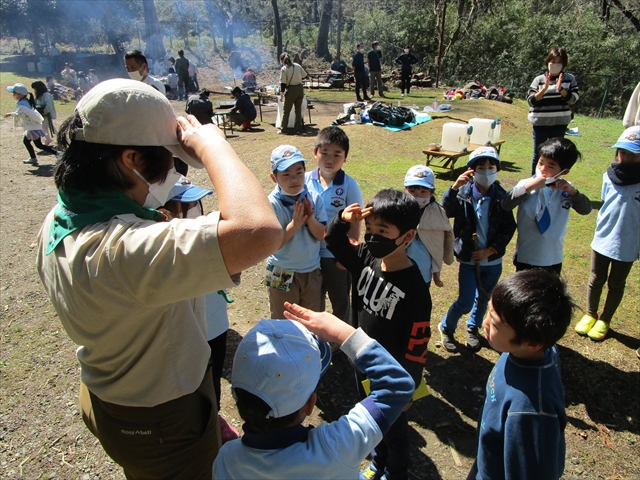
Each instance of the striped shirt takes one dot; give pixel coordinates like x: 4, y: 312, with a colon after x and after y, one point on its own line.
x: 552, y: 109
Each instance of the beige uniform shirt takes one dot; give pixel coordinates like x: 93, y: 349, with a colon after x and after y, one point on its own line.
x: 292, y: 75
x: 130, y: 292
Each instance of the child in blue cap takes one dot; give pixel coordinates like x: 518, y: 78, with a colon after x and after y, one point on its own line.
x: 616, y: 243
x: 31, y: 122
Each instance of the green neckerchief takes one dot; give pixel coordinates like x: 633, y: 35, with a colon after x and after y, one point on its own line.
x: 77, y: 209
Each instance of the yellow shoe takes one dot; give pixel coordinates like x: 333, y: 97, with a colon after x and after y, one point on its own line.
x: 599, y: 331
x: 585, y: 324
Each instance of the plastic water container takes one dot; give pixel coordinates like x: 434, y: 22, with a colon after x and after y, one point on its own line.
x: 496, y: 131
x: 456, y: 137
x: 482, y: 130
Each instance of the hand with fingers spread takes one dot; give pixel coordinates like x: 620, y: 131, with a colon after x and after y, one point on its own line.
x: 326, y: 326
x: 355, y: 213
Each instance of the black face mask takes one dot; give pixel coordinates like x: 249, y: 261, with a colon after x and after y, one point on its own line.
x: 379, y: 246
x: 624, y: 173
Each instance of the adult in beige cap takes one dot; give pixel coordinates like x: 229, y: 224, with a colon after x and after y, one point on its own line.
x: 124, y: 283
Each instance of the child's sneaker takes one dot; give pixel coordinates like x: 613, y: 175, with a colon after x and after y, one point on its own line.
x: 446, y: 339
x: 227, y: 432
x: 585, y: 325
x: 599, y: 331
x: 371, y: 473
x: 473, y: 341
x: 30, y: 161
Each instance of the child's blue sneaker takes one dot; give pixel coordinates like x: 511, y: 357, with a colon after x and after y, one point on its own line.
x: 371, y: 473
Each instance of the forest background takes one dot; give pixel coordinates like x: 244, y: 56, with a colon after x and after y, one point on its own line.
x: 496, y: 42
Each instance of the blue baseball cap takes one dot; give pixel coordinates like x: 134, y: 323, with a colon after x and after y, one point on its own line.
x: 18, y: 88
x: 280, y: 362
x: 483, y: 152
x: 629, y: 140
x: 284, y: 156
x: 186, y: 192
x: 420, y: 176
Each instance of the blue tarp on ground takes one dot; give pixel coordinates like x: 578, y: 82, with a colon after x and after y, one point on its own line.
x: 420, y: 118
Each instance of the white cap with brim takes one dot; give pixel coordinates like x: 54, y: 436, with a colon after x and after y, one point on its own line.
x: 186, y: 192
x: 130, y: 113
x: 420, y: 176
x: 629, y: 140
x: 280, y: 362
x: 483, y: 152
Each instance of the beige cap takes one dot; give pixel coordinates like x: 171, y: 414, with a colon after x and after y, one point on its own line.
x: 130, y: 113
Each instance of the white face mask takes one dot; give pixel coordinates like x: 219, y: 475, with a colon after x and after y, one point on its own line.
x: 137, y: 76
x: 361, y: 50
x: 555, y: 68
x: 292, y: 194
x: 159, y: 192
x: 485, y: 178
x: 423, y: 202
x: 406, y: 50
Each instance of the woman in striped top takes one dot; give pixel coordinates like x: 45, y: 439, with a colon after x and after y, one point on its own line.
x: 550, y: 96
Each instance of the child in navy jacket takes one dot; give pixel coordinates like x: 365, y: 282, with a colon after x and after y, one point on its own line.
x: 521, y: 429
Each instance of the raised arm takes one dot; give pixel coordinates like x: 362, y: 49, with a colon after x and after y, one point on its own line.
x: 249, y: 230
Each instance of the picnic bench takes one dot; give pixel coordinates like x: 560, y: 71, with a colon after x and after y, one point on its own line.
x: 450, y: 158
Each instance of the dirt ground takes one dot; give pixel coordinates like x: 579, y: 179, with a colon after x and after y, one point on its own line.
x: 42, y: 434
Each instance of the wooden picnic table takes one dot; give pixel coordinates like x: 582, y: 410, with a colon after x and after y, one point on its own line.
x: 450, y: 158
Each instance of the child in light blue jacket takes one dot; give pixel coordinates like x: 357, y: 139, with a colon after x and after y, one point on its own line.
x: 616, y: 244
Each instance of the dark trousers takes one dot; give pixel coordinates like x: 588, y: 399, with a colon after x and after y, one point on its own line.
x: 541, y: 135
x: 617, y: 273
x: 176, y: 439
x: 183, y: 86
x: 391, y: 455
x: 405, y: 82
x: 39, y: 144
x: 336, y: 283
x: 361, y: 84
x: 557, y: 268
x: 218, y: 348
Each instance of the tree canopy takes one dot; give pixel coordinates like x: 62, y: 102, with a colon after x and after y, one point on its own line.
x: 502, y: 43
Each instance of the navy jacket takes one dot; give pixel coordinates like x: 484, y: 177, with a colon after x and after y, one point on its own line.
x: 459, y: 205
x: 374, y: 57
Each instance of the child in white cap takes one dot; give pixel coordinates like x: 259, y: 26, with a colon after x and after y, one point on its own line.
x: 31, y: 122
x: 275, y: 373
x: 433, y: 244
x: 482, y: 230
x: 616, y: 243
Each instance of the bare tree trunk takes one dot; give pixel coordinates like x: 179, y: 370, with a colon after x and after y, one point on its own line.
x: 339, y: 41
x: 322, y: 46
x: 635, y: 21
x: 152, y: 37
x: 277, y: 29
x: 34, y: 34
x: 211, y: 11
